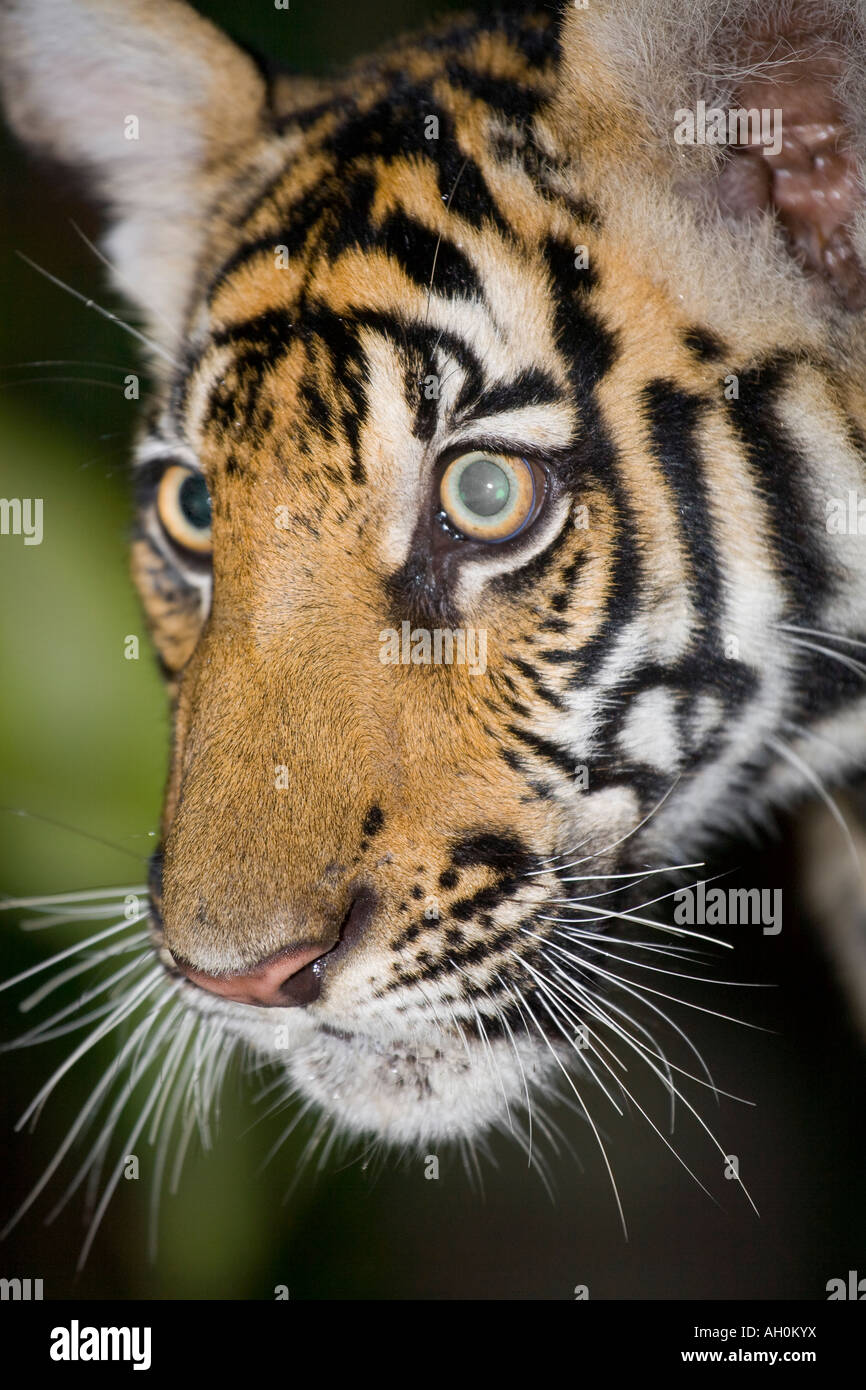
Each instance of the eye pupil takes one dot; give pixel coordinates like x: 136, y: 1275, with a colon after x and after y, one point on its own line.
x: 484, y: 487
x: 194, y: 502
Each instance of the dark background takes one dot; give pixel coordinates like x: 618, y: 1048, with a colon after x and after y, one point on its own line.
x: 84, y: 741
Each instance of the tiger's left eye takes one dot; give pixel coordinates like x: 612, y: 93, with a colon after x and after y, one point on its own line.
x: 489, y: 497
x: 184, y: 507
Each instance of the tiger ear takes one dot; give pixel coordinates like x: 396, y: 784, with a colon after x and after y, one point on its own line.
x: 155, y: 104
x: 756, y: 106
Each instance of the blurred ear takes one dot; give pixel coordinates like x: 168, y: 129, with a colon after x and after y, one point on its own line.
x: 756, y: 107
x: 155, y: 104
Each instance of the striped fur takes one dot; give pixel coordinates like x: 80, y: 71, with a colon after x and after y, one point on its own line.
x: 571, y: 279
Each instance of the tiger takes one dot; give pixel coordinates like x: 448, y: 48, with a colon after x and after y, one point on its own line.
x: 499, y: 518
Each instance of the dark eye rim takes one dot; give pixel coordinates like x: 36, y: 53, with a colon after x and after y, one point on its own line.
x: 543, y: 490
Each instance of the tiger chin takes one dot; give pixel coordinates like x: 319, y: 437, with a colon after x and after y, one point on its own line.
x: 476, y: 337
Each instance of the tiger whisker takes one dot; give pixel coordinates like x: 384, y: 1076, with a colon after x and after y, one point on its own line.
x: 62, y: 919
x: 129, y: 1145
x: 300, y: 1112
x: 83, y: 896
x: 638, y: 994
x: 589, y: 1001
x: 144, y: 987
x: 575, y: 934
x: 582, y: 1104
x: 170, y: 1068
x: 162, y: 1126
x: 486, y: 1042
x: 787, y: 753
x: 187, y: 1130
x: 635, y: 873
x: 46, y: 1030
x: 519, y: 1060
x: 622, y: 839
x: 640, y: 1051
x: 629, y: 987
x: 104, y: 313
x: 92, y: 1162
x: 641, y: 921
x: 673, y: 998
x: 621, y: 1084
x: 847, y: 661
x: 83, y: 1115
x: 638, y: 907
x: 584, y: 1000
x: 70, y: 951
x: 80, y: 968
x: 61, y: 381
x: 658, y: 969
x: 817, y: 632
x: 134, y: 290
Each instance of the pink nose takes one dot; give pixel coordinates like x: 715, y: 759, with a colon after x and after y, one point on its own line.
x: 289, y: 978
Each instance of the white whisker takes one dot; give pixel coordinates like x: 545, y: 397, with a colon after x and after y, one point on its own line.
x: 104, y: 313
x: 80, y: 968
x: 581, y: 1103
x: 70, y: 951
x: 81, y: 896
x: 123, y: 1010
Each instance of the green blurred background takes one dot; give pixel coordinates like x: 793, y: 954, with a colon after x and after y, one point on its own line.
x: 83, y: 746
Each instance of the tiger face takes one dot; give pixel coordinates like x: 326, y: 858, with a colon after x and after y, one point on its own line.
x: 478, y: 502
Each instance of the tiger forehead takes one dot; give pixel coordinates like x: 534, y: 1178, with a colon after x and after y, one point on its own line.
x: 443, y: 101
x: 417, y: 182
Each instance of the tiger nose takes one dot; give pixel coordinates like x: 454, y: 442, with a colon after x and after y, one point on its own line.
x: 288, y: 979
x: 293, y: 976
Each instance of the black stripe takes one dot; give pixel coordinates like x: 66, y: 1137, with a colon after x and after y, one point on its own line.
x: 560, y: 758
x: 549, y: 696
x: 673, y: 417
x: 516, y: 99
x: 706, y: 346
x: 823, y: 687
x: 589, y: 349
x: 533, y: 386
x: 781, y: 475
x: 527, y: 577
x: 421, y: 254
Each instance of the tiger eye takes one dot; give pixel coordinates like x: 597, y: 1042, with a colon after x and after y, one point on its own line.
x: 184, y: 508
x: 488, y: 496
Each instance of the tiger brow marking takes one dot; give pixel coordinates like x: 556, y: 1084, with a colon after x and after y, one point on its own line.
x: 448, y: 203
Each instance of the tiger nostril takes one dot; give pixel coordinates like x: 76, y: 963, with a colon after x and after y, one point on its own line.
x: 283, y: 980
x: 292, y: 977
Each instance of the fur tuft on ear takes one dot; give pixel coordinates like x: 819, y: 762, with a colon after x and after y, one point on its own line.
x: 754, y: 109
x: 155, y: 104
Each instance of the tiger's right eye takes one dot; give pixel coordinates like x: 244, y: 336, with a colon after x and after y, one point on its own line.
x: 491, y: 497
x: 184, y: 507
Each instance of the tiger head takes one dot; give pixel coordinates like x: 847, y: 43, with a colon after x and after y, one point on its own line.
x: 475, y: 498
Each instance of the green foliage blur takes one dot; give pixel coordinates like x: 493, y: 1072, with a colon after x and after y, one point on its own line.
x: 83, y: 750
